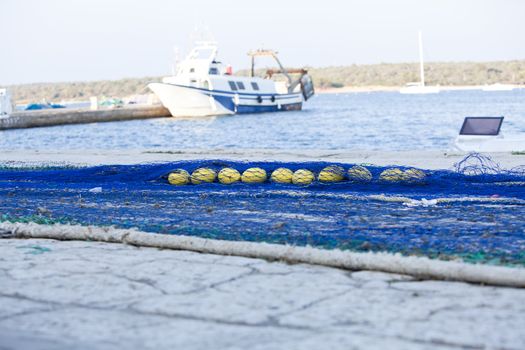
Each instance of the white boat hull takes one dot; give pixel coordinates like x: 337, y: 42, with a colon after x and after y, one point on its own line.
x: 187, y: 102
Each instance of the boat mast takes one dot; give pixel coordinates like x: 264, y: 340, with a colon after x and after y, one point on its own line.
x: 421, y: 69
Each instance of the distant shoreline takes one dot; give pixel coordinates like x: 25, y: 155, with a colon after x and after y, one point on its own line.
x: 378, y: 88
x: 318, y: 90
x: 322, y: 91
x: 332, y: 79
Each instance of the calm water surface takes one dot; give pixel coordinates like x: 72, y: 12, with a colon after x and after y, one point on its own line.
x: 357, y: 121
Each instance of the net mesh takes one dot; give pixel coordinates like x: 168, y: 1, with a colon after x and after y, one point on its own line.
x: 480, y: 164
x: 474, y: 213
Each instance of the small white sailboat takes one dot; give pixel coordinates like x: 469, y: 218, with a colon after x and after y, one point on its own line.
x: 203, y: 87
x: 419, y: 87
x: 498, y: 87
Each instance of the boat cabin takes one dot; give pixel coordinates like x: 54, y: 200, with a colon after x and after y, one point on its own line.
x: 201, y: 69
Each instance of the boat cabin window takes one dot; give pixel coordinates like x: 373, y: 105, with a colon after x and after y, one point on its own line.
x: 192, y: 70
x: 232, y: 85
x: 255, y: 86
x: 482, y: 126
x: 240, y: 85
x: 213, y: 71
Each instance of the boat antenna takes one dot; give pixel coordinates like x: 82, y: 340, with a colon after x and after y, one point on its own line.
x: 175, y: 62
x: 201, y: 33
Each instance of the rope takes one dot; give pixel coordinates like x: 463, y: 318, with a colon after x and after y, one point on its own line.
x: 418, y: 267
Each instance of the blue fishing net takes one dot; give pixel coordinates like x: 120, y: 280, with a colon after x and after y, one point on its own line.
x: 475, y: 212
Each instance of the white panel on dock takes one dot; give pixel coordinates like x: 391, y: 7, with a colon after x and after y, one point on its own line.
x: 94, y: 103
x: 5, y: 102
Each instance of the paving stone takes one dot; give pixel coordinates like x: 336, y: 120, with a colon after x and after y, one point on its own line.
x: 81, y: 295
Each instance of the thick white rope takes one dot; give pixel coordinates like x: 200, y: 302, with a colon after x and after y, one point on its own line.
x: 419, y: 267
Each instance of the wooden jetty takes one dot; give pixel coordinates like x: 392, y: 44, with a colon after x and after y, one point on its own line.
x: 62, y: 116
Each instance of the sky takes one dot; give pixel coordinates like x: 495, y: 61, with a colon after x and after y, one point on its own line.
x: 78, y: 40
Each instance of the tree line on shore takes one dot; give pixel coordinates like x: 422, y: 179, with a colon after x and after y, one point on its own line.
x: 437, y: 73
x: 384, y: 74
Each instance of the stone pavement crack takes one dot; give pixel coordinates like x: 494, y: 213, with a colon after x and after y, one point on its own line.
x: 131, y: 310
x: 434, y: 342
x: 220, y: 283
x: 104, y: 293
x: 145, y: 281
x: 313, y: 303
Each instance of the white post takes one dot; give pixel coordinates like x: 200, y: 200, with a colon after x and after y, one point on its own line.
x: 421, y: 69
x: 94, y: 103
x: 5, y: 102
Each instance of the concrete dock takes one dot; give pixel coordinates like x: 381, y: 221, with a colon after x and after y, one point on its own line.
x: 95, y: 295
x: 63, y: 116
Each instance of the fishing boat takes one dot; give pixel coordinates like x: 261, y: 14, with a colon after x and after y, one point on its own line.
x: 420, y: 87
x: 203, y: 86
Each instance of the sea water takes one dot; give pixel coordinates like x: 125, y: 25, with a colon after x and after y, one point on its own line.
x: 351, y: 121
